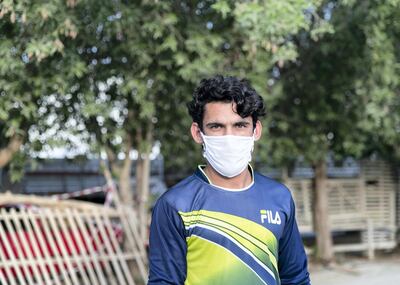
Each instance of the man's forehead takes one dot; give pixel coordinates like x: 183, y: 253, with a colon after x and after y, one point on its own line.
x: 220, y: 107
x: 222, y: 111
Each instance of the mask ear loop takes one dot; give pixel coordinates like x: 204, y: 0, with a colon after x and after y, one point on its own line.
x: 204, y: 142
x: 254, y: 139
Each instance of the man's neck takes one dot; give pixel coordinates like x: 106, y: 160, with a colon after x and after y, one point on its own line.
x: 240, y: 181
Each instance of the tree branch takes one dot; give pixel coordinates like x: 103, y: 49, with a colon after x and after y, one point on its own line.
x: 7, y: 153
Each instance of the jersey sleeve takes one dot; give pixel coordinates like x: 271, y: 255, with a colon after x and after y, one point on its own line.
x: 167, y: 246
x: 292, y: 262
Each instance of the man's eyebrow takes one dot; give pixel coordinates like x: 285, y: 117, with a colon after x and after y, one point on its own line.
x: 242, y: 123
x: 213, y: 124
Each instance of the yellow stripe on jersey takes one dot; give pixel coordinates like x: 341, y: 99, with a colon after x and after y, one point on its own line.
x: 226, y: 269
x: 256, y: 239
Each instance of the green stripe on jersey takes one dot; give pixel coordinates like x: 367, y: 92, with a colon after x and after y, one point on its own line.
x: 256, y: 239
x: 226, y: 269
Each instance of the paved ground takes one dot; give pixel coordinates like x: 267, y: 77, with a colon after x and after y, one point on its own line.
x: 382, y: 271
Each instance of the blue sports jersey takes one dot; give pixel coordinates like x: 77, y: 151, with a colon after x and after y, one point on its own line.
x: 203, y: 234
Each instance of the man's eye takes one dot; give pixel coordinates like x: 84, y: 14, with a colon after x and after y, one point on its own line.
x: 215, y: 127
x: 241, y: 125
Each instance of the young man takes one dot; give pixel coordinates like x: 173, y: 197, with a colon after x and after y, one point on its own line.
x: 226, y: 224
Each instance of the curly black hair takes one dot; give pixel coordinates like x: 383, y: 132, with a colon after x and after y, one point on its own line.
x: 226, y: 89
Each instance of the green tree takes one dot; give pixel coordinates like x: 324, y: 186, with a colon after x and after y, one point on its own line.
x: 380, y: 83
x: 139, y: 72
x: 34, y: 66
x: 338, y: 97
x: 242, y: 38
x: 117, y: 73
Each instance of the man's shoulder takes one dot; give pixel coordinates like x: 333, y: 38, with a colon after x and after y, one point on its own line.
x: 267, y: 181
x: 271, y: 185
x: 274, y: 190
x: 181, y: 193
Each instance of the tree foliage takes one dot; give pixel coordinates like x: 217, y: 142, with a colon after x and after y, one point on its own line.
x: 342, y: 94
x: 341, y: 97
x: 240, y: 38
x: 34, y: 65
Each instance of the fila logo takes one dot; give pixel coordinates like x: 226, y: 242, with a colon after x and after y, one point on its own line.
x: 267, y: 215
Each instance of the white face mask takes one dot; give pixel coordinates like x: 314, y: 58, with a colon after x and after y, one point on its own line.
x: 228, y: 155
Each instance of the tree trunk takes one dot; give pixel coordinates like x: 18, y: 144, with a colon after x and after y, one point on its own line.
x: 7, y: 153
x: 321, y: 215
x: 144, y: 196
x: 125, y: 188
x: 139, y: 179
x: 143, y: 180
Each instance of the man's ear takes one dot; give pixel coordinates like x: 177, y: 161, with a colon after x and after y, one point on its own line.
x: 258, y: 130
x: 195, y: 131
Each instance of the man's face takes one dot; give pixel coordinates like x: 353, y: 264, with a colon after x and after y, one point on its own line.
x: 220, y: 118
